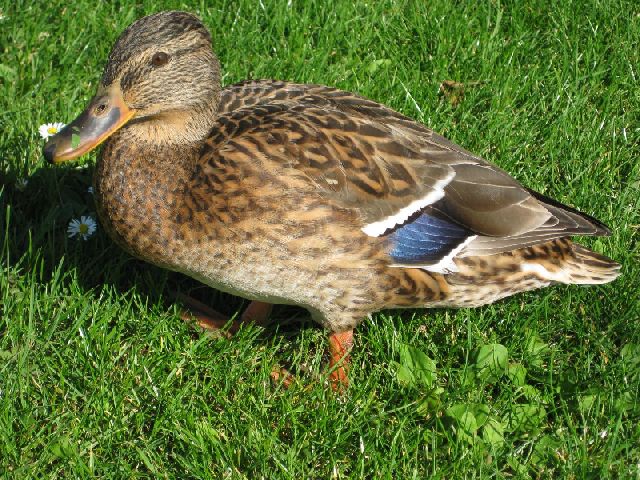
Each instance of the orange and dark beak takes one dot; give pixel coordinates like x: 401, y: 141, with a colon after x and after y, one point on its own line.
x: 106, y: 113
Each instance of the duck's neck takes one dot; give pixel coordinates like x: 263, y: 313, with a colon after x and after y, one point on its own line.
x: 139, y: 183
x: 175, y: 128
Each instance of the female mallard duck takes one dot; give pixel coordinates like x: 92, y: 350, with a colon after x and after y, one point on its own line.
x: 307, y: 195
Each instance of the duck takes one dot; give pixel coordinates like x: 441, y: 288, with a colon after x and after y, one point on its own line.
x: 306, y: 195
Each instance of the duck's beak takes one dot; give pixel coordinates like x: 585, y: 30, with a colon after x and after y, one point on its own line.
x: 106, y: 113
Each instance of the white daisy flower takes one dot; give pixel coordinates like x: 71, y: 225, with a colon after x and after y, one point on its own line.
x: 83, y: 228
x: 50, y: 129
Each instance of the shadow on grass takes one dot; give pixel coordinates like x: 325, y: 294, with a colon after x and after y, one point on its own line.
x: 36, y: 216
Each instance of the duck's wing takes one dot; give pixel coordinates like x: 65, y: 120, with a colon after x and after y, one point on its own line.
x: 431, y: 198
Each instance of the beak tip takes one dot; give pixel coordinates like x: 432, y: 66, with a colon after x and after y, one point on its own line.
x: 49, y: 152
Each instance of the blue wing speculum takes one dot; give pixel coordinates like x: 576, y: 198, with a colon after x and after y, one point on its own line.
x: 427, y: 242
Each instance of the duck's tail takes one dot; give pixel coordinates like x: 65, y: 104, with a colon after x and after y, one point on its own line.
x: 484, y: 279
x: 587, y: 267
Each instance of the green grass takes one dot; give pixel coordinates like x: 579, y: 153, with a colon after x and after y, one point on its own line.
x: 100, y: 378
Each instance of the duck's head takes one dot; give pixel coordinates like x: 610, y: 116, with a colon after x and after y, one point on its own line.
x: 162, y: 81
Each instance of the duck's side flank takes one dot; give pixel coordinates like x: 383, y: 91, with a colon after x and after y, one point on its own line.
x: 484, y: 279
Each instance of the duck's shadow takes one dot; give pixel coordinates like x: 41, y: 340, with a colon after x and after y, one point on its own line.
x: 40, y: 210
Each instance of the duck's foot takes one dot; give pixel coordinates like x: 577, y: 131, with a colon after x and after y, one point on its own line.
x: 282, y: 375
x: 340, y: 345
x: 258, y: 313
x: 204, y: 316
x: 209, y: 319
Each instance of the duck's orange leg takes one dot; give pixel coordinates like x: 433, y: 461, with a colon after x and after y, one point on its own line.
x: 210, y: 319
x: 340, y: 345
x: 258, y: 313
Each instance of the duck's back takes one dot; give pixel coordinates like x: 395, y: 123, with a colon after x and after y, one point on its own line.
x: 443, y: 216
x: 400, y: 177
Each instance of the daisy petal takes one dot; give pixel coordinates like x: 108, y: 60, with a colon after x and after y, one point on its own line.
x: 83, y: 228
x: 50, y: 129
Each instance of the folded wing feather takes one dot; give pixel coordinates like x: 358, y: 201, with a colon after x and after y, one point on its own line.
x: 431, y: 199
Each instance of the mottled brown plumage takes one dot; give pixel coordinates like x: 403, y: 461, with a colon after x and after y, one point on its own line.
x: 309, y: 195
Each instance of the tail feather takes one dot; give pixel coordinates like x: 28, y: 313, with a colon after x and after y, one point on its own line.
x: 588, y: 267
x: 601, y: 228
x: 485, y: 279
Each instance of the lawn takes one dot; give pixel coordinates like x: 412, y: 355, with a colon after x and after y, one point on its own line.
x: 99, y: 376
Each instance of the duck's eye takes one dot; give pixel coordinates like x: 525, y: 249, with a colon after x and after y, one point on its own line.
x: 159, y: 59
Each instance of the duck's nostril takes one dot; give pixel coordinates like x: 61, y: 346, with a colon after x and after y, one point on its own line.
x: 100, y: 109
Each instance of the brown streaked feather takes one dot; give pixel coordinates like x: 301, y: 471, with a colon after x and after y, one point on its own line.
x: 489, y: 202
x: 484, y: 279
x: 349, y: 160
x: 600, y: 228
x: 400, y: 158
x: 403, y: 159
x: 271, y: 190
x: 367, y: 157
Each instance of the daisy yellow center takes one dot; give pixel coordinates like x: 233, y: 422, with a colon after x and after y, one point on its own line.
x: 83, y: 228
x: 52, y: 130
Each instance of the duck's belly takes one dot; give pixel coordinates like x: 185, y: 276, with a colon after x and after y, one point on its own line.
x: 321, y: 284
x: 252, y: 274
x: 259, y: 283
